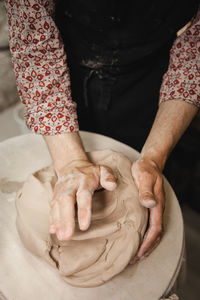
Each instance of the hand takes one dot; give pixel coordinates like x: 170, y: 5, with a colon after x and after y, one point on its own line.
x: 149, y: 181
x: 77, y: 182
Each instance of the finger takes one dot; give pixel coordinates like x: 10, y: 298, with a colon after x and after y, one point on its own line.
x: 67, y: 217
x: 154, y: 231
x: 160, y: 193
x: 156, y: 243
x: 146, y: 190
x: 148, y: 242
x: 55, y: 216
x: 136, y: 258
x: 107, y: 178
x: 84, y: 202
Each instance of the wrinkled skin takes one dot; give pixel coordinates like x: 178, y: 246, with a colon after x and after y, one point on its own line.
x: 149, y: 181
x: 78, y: 182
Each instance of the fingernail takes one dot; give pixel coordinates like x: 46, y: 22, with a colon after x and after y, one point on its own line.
x: 149, y: 203
x: 84, y: 225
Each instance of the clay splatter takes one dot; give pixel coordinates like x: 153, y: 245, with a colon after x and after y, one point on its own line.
x: 8, y: 187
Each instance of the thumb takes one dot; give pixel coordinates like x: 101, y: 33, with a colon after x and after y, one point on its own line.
x: 107, y: 178
x: 145, y: 186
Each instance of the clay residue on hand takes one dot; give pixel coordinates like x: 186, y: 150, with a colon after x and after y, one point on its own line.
x: 95, y: 255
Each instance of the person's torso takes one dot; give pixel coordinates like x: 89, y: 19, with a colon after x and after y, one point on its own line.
x: 121, y: 32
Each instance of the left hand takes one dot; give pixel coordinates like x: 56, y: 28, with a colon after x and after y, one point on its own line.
x: 149, y: 181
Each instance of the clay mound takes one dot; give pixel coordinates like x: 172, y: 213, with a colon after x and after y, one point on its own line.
x: 94, y: 256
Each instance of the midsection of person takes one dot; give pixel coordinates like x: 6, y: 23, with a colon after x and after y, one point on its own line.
x: 117, y: 55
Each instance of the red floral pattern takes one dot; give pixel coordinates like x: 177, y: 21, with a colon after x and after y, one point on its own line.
x: 43, y: 78
x: 39, y: 60
x: 182, y: 79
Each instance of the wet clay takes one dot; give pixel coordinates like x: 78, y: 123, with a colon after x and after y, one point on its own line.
x: 94, y: 256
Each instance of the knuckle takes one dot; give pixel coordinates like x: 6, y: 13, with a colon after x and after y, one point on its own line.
x: 90, y: 178
x: 108, y: 170
x: 83, y: 193
x: 111, y: 172
x: 110, y: 177
x: 147, y: 175
x: 71, y: 181
x: 146, y: 194
x: 63, y: 198
x: 85, y: 178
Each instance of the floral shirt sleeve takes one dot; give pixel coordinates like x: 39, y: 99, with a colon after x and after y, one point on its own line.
x: 39, y: 61
x: 182, y: 79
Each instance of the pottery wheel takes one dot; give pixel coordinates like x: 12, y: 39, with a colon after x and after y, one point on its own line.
x: 25, y: 276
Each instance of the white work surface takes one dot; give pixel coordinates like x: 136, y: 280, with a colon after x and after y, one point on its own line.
x: 24, y: 276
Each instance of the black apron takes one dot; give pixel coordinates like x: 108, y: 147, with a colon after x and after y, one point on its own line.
x: 117, y: 53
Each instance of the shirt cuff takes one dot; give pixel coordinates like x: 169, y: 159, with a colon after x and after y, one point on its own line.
x: 45, y: 120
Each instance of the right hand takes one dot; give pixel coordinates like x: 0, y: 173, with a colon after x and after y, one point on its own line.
x: 77, y: 182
